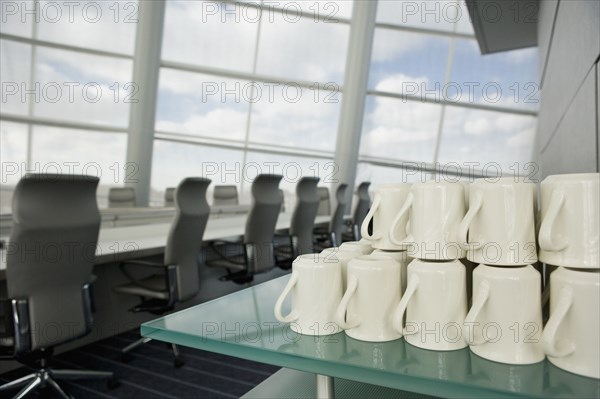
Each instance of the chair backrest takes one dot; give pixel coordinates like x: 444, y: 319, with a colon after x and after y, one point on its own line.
x: 170, y: 197
x: 282, y: 200
x: 121, y: 197
x: 262, y: 219
x: 364, y: 203
x: 336, y: 225
x: 225, y: 195
x: 51, y: 252
x: 324, y: 202
x: 305, y: 212
x: 185, y: 237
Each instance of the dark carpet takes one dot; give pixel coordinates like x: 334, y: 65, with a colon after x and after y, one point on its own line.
x: 151, y: 373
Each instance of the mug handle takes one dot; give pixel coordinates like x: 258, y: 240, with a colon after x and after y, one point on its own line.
x: 545, y: 237
x: 478, y: 303
x: 413, y: 284
x: 293, y: 316
x: 405, y: 208
x: 464, y: 225
x: 364, y: 228
x: 340, y: 314
x: 549, y: 343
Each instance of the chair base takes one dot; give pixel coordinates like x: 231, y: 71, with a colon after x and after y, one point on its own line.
x: 239, y: 277
x: 46, y: 378
x: 126, y: 355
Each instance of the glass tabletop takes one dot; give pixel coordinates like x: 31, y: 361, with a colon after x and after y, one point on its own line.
x: 243, y: 325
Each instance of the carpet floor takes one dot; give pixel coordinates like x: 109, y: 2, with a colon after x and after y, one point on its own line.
x: 151, y: 373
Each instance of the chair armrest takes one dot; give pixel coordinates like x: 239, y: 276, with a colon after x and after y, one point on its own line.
x: 217, y: 250
x: 169, y: 270
x: 17, y: 325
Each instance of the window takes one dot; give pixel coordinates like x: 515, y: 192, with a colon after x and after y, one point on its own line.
x: 433, y: 98
x: 83, y: 88
x: 13, y: 157
x: 400, y: 129
x: 248, y: 82
x: 211, y: 34
x: 406, y: 62
x: 487, y: 137
x: 67, y: 89
x: 15, y: 69
x: 173, y: 161
x: 204, y: 105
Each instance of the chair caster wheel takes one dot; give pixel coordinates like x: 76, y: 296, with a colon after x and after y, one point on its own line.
x: 178, y: 363
x: 112, y: 383
x: 126, y: 357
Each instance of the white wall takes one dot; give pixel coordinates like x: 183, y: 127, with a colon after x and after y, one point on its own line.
x: 569, y: 40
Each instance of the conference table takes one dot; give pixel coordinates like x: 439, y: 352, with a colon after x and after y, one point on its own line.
x: 117, y: 244
x: 243, y: 325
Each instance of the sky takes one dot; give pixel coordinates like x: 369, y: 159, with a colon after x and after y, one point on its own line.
x: 283, y: 47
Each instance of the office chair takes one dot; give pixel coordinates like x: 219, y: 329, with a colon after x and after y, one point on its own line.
x: 361, y: 210
x: 302, y: 224
x: 169, y: 197
x: 331, y: 236
x: 225, y: 195
x: 121, y: 197
x: 49, y: 262
x: 324, y: 203
x: 176, y: 279
x: 255, y: 254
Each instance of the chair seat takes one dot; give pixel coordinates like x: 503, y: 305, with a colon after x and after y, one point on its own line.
x: 153, y: 287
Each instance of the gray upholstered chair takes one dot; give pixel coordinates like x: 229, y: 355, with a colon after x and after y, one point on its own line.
x: 332, y: 235
x: 361, y: 210
x: 121, y: 197
x: 255, y: 254
x: 176, y: 279
x: 169, y: 197
x: 302, y: 223
x: 49, y: 262
x: 324, y: 202
x: 225, y: 195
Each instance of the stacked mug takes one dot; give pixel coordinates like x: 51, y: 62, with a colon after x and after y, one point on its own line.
x: 504, y: 323
x: 374, y: 281
x: 569, y: 238
x: 433, y: 307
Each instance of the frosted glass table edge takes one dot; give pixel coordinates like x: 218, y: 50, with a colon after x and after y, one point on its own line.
x: 389, y: 378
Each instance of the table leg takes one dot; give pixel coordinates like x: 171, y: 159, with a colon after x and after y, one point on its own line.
x: 325, y: 387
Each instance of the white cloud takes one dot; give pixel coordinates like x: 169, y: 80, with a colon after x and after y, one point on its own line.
x: 398, y: 83
x: 478, y: 126
x: 219, y: 122
x: 522, y: 56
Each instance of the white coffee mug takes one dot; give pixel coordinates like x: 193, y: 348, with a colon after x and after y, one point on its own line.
x: 435, y: 303
x: 500, y: 223
x: 571, y: 338
x: 363, y: 245
x: 372, y: 294
x: 403, y: 259
x: 435, y: 211
x: 570, y: 231
x: 344, y: 255
x: 316, y: 289
x: 504, y: 323
x: 386, y: 203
